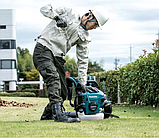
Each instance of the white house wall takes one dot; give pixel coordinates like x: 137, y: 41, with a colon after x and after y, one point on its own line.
x: 8, y: 16
x: 8, y: 54
x: 7, y: 19
x: 8, y: 74
x: 9, y: 33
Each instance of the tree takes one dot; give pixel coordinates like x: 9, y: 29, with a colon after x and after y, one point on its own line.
x: 24, y: 58
x: 20, y: 63
x: 32, y: 75
x: 25, y: 62
x: 71, y: 66
x: 28, y: 62
x: 94, y: 67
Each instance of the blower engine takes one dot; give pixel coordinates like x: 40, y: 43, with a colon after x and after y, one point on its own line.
x: 93, y: 105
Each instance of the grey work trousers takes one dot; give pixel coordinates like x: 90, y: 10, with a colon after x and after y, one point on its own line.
x: 52, y: 70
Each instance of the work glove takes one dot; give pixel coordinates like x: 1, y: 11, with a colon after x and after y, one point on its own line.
x: 89, y: 89
x: 60, y: 22
x: 85, y: 88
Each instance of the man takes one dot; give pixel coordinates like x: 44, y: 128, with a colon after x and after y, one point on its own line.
x: 64, y: 31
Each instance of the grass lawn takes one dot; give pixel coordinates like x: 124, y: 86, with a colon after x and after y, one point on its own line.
x: 134, y: 121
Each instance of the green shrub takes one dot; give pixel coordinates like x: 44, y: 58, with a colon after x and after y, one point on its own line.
x: 110, y: 85
x: 37, y: 92
x: 138, y: 81
x: 18, y: 94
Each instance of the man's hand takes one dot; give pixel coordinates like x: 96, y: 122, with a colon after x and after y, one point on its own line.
x: 90, y: 88
x: 60, y: 22
x: 85, y: 88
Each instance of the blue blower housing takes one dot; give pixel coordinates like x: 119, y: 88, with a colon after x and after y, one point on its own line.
x: 91, y: 102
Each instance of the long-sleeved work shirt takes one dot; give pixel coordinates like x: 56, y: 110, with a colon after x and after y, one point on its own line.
x: 60, y: 40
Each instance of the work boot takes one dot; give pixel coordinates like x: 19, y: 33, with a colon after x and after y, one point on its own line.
x: 60, y: 116
x: 47, y: 115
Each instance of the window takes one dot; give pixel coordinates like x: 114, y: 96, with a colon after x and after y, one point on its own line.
x: 7, y: 64
x: 13, y: 44
x: 2, y: 26
x: 13, y: 64
x: 7, y: 44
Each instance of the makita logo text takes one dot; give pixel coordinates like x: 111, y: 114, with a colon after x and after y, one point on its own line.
x: 92, y: 96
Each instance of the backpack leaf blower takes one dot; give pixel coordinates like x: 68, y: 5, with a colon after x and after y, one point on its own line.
x: 94, y: 105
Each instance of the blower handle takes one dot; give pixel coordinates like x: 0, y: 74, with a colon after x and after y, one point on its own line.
x: 73, y: 80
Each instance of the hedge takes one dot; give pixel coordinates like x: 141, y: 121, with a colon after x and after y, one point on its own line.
x: 26, y: 93
x: 37, y: 92
x: 110, y: 85
x: 18, y: 94
x: 138, y: 81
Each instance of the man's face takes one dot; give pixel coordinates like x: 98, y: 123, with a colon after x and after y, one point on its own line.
x: 90, y: 25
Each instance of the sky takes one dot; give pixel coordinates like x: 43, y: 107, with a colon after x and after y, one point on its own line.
x: 132, y: 26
